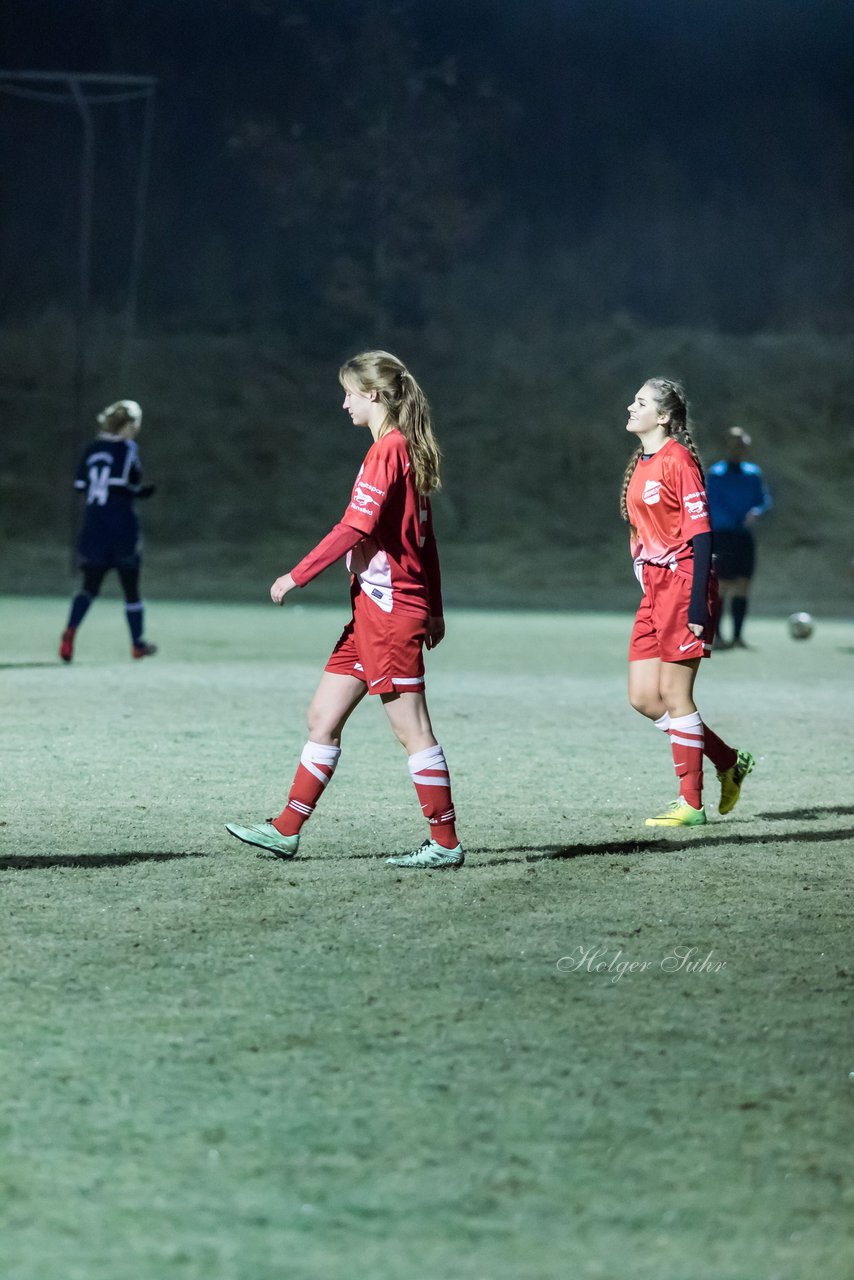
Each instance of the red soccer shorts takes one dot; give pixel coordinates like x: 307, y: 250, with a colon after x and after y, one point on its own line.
x: 385, y: 650
x: 661, y: 624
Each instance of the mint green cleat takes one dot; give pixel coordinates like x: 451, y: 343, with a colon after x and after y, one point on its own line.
x: 265, y: 836
x: 431, y: 857
x: 731, y: 780
x: 679, y: 814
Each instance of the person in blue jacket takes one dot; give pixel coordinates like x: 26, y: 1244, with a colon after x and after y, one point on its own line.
x: 110, y: 476
x: 737, y: 498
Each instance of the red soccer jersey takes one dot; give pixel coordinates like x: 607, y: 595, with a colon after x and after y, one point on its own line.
x: 396, y: 561
x: 666, y: 501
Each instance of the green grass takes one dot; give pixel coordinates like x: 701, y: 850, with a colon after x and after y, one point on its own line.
x: 217, y: 1067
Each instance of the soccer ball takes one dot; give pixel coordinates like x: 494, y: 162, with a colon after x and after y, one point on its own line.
x: 800, y: 626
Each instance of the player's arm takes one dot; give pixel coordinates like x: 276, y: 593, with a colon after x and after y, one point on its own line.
x: 698, y: 606
x: 696, y: 530
x: 636, y: 552
x: 333, y: 547
x: 337, y: 543
x: 433, y: 573
x: 761, y: 500
x: 359, y: 519
x: 81, y: 478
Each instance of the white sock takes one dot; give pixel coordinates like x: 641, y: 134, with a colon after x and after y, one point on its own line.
x: 430, y: 758
x: 318, y: 753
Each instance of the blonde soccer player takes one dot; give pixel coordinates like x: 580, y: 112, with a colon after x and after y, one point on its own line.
x: 664, y: 500
x: 386, y: 533
x: 110, y: 477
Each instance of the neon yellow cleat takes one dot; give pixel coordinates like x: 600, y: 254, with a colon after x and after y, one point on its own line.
x: 731, y: 780
x: 679, y: 814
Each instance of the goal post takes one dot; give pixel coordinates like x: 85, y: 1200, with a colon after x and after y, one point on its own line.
x: 85, y: 91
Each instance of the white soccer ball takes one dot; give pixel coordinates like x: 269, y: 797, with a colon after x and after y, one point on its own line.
x: 800, y: 626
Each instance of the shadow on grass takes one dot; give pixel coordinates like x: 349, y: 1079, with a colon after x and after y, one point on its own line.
x: 702, y: 838
x: 18, y: 666
x: 630, y: 848
x: 41, y: 861
x: 813, y: 811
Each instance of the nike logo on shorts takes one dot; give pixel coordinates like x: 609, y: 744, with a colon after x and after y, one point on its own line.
x: 689, y: 645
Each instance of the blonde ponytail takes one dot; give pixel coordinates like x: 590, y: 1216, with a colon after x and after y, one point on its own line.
x: 406, y: 408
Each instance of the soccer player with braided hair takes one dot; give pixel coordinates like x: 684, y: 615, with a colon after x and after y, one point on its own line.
x: 664, y: 500
x: 386, y: 533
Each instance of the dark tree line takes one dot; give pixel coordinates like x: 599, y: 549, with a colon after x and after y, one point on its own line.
x: 332, y: 165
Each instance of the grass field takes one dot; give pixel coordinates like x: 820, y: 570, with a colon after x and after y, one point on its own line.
x: 217, y: 1067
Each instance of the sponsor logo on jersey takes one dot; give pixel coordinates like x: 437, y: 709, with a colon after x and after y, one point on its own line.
x: 363, y: 496
x: 651, y: 492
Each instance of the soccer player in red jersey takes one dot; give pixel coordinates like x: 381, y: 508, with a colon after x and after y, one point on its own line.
x: 386, y: 533
x: 664, y: 500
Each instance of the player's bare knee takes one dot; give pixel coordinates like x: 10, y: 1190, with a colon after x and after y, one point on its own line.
x: 323, y: 728
x: 643, y: 704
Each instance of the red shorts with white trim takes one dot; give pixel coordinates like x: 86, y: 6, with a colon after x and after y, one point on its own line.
x: 661, y: 624
x: 385, y: 650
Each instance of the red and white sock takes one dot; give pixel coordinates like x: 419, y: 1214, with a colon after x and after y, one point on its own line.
x: 316, y: 767
x: 722, y: 756
x: 714, y: 748
x: 686, y: 743
x: 432, y: 782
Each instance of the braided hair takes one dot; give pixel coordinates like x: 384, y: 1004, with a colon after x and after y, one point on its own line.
x: 670, y: 398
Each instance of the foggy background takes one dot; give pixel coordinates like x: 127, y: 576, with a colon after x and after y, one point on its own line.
x: 537, y: 206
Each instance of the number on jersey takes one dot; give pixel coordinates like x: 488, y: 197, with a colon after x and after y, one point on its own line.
x: 99, y: 480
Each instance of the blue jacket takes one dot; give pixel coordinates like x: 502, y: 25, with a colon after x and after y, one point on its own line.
x: 734, y: 489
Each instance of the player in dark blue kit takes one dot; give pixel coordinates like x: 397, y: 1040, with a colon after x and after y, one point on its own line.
x: 110, y: 476
x: 737, y: 498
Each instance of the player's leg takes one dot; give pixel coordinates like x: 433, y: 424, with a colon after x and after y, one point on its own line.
x: 685, y: 727
x: 645, y: 697
x: 647, y: 679
x: 409, y: 718
x: 740, y: 589
x: 731, y: 765
x: 690, y: 740
x: 128, y: 573
x: 335, y: 699
x: 392, y: 649
x: 645, y: 688
x: 653, y: 691
x: 685, y: 730
x: 725, y: 585
x: 678, y: 672
x: 93, y: 576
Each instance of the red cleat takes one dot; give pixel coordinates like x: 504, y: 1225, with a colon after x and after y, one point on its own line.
x: 143, y: 650
x: 66, y: 644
